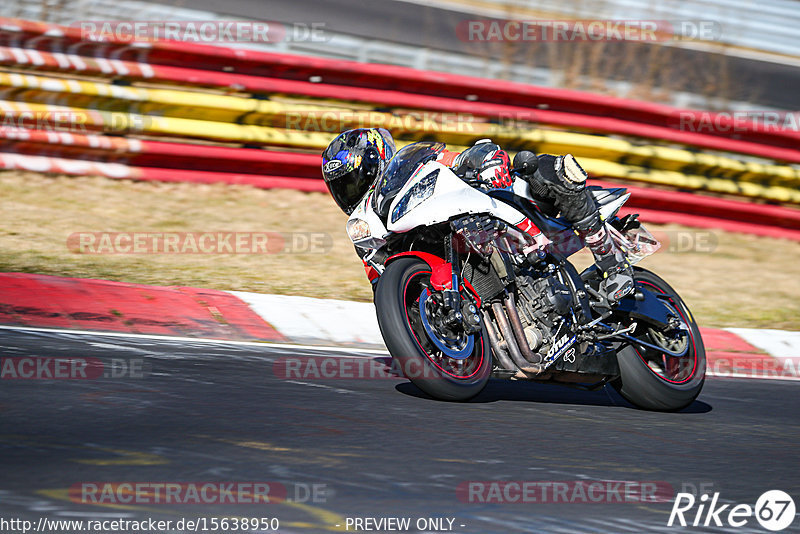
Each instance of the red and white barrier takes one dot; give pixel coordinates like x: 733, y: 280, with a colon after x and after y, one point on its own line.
x: 75, y: 167
x: 37, y: 301
x: 148, y: 153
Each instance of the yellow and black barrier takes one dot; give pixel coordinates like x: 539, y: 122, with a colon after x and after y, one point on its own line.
x: 450, y: 128
x: 133, y: 123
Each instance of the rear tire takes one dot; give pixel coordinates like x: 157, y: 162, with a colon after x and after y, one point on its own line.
x: 676, y: 384
x: 440, y: 377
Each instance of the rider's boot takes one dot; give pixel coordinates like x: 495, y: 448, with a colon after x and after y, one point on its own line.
x: 578, y: 206
x: 612, y: 261
x: 563, y: 181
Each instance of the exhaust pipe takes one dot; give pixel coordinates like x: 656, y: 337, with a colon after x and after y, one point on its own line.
x: 519, y: 333
x: 500, y: 347
x: 511, y: 343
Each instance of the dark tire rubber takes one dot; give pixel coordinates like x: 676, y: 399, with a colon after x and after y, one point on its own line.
x: 642, y: 386
x: 405, y: 348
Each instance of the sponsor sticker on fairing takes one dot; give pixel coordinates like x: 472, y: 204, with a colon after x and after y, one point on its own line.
x: 563, y: 341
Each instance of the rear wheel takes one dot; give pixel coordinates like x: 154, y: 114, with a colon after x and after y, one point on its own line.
x: 448, y: 365
x: 652, y: 379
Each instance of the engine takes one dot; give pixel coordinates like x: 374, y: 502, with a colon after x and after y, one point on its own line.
x: 529, y: 325
x: 542, y: 303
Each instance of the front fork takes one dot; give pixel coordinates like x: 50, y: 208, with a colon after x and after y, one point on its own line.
x: 446, y: 279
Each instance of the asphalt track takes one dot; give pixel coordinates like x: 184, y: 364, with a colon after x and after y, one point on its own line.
x: 217, y: 412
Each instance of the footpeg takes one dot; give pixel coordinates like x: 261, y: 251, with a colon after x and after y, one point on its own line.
x: 626, y: 330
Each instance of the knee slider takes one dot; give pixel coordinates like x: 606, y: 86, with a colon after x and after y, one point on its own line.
x: 568, y: 168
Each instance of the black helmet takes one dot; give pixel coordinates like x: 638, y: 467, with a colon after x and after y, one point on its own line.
x: 352, y: 161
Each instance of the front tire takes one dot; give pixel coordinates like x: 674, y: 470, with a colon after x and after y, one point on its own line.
x: 654, y: 381
x: 397, y: 305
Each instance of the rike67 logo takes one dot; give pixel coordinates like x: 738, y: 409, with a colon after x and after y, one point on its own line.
x: 774, y: 510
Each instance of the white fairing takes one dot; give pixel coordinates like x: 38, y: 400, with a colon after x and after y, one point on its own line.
x: 451, y: 197
x: 610, y: 206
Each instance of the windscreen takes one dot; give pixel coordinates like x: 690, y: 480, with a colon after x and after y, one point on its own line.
x: 401, y: 168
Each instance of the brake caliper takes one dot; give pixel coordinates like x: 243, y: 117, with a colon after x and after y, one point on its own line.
x: 458, y: 311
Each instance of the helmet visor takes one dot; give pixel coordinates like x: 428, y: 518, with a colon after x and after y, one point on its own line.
x: 349, y: 188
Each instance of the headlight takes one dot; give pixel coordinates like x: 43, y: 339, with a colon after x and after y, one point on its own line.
x: 357, y: 229
x: 414, y: 197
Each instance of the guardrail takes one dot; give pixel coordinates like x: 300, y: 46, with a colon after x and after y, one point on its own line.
x: 132, y: 72
x: 259, y: 99
x: 258, y: 63
x: 247, y: 120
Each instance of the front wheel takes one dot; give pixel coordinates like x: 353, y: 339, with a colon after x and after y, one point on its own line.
x: 651, y: 379
x: 446, y: 365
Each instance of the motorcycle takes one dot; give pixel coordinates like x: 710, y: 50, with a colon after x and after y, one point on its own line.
x: 472, y: 280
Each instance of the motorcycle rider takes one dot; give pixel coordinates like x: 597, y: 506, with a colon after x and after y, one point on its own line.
x: 356, y: 157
